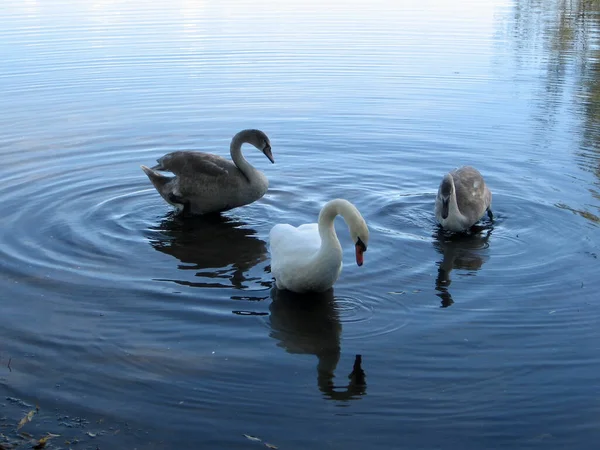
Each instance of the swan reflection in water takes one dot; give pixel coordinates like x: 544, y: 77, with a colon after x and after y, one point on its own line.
x: 310, y: 324
x: 215, y: 247
x: 459, y: 251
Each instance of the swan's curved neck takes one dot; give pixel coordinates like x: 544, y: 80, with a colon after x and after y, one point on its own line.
x: 235, y: 149
x: 452, y: 203
x: 330, y: 211
x: 454, y: 212
x: 330, y: 244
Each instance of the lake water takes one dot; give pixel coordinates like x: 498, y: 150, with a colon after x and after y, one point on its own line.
x: 131, y: 328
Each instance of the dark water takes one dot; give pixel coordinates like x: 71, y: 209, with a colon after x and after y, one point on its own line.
x: 157, y: 333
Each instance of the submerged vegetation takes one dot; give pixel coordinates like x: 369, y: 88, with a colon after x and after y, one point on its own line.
x: 23, y: 426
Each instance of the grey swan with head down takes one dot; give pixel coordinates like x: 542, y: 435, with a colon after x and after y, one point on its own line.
x: 462, y: 199
x: 205, y: 183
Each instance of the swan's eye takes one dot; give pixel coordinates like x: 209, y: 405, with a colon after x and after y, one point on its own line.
x: 360, y: 244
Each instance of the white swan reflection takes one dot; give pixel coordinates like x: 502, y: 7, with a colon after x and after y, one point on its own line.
x: 311, y: 325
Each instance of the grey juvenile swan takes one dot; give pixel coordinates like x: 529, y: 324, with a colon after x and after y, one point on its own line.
x: 462, y: 199
x: 205, y: 183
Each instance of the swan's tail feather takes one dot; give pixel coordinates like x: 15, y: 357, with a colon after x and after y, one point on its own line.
x: 157, y: 179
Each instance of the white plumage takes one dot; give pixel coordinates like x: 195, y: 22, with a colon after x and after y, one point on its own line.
x: 308, y: 258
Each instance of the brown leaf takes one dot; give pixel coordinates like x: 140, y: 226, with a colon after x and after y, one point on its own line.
x: 27, y: 418
x: 43, y: 441
x: 40, y: 444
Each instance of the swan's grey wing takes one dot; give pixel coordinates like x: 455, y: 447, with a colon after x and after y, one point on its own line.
x: 186, y: 163
x: 472, y: 195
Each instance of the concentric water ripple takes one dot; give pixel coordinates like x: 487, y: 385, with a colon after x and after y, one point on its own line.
x: 369, y: 317
x: 72, y: 218
x: 328, y: 317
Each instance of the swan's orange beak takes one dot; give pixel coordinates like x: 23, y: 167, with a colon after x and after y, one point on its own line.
x: 360, y: 249
x: 359, y: 253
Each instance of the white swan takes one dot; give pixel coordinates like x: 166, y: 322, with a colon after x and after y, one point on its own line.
x: 206, y: 183
x: 462, y: 199
x: 309, y: 258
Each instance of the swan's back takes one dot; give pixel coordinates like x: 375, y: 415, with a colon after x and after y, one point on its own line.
x: 289, y: 244
x: 472, y: 195
x: 203, y: 174
x: 194, y: 164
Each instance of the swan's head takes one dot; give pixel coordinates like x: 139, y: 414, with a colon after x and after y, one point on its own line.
x: 445, y: 192
x: 261, y: 141
x: 359, y: 232
x: 360, y: 236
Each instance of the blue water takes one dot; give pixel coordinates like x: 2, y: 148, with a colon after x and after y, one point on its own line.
x: 132, y: 328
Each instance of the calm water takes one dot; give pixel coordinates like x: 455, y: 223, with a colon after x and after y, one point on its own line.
x: 155, y: 333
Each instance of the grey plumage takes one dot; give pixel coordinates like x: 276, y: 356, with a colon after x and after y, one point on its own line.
x: 193, y: 163
x: 205, y: 183
x: 462, y: 199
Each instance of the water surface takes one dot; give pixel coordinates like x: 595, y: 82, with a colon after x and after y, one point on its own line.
x: 153, y: 332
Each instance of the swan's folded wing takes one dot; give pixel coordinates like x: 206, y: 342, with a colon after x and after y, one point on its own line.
x: 473, y: 196
x: 186, y: 163
x: 278, y: 236
x: 309, y: 235
x: 290, y: 243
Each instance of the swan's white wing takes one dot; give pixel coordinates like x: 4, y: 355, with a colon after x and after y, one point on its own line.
x: 286, y: 240
x: 292, y: 247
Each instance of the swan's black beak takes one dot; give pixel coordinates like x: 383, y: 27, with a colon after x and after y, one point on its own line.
x: 445, y: 208
x: 268, y: 154
x: 360, y: 249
